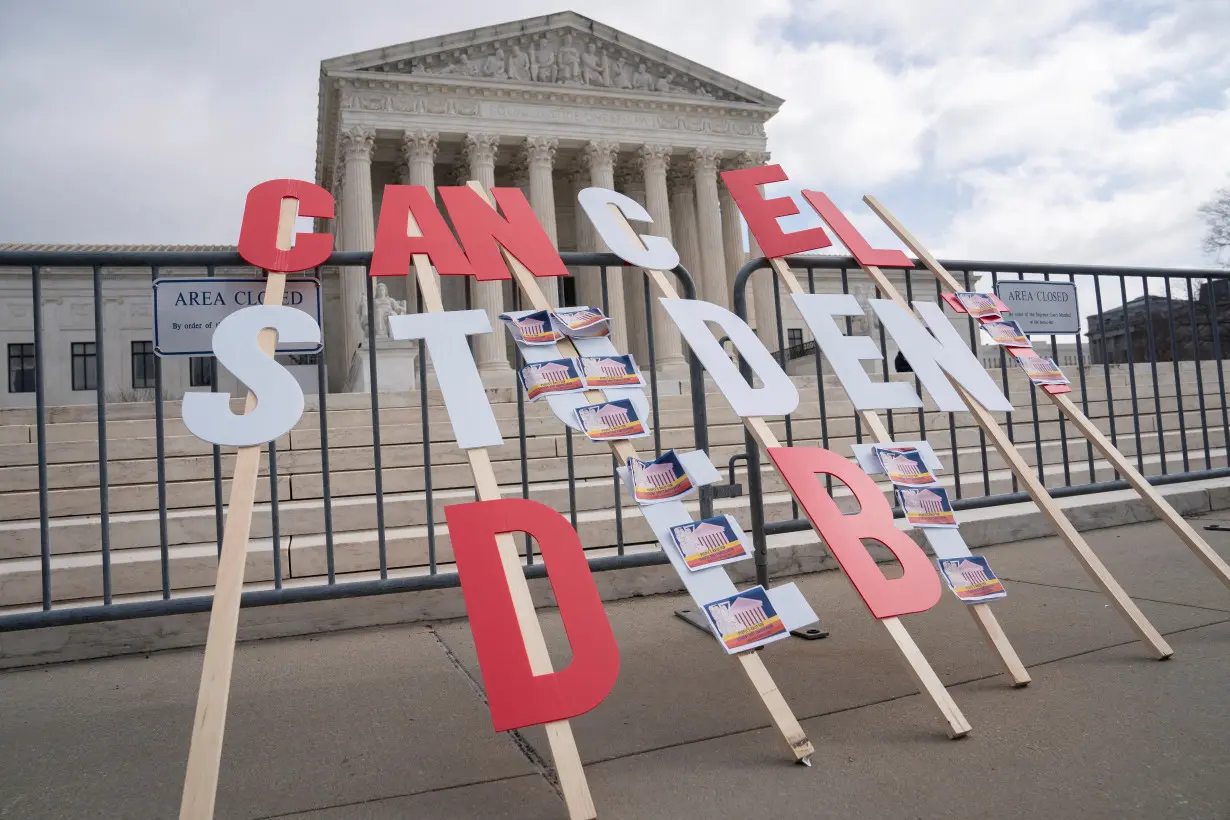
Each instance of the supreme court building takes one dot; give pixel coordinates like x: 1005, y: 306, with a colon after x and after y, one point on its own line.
x: 551, y: 105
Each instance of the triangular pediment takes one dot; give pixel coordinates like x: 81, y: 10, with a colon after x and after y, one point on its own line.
x: 565, y: 50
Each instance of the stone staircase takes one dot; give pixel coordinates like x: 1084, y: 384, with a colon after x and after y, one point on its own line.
x: 191, y: 521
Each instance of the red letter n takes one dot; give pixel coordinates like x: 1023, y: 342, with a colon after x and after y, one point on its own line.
x: 517, y: 697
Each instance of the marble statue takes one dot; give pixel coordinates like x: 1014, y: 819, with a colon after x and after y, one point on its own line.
x: 569, y: 62
x: 383, y: 306
x: 592, y: 67
x: 542, y: 69
x: 642, y: 80
x: 664, y: 83
x: 494, y: 65
x: 519, y: 65
x: 622, y: 75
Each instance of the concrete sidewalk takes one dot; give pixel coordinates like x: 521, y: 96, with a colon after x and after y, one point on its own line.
x: 390, y: 722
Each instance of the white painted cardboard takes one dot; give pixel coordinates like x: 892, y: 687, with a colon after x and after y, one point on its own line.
x: 609, y: 212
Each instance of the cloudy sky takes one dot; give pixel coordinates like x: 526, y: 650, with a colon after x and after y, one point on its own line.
x: 1050, y: 130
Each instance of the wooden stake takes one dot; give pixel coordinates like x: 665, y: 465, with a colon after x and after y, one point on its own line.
x: 1050, y: 510
x: 205, y: 753
x: 981, y: 613
x: 623, y: 449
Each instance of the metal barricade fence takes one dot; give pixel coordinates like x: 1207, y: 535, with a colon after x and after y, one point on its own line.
x: 170, y: 597
x: 1159, y: 337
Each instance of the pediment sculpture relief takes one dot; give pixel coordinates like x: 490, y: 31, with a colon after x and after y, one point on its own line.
x: 560, y: 58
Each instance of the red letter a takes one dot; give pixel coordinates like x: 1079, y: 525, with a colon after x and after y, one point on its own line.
x: 516, y: 696
x: 918, y: 588
x: 394, y: 245
x: 482, y: 231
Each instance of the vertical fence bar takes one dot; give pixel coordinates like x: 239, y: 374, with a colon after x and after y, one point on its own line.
x: 425, y: 417
x: 653, y: 367
x: 952, y: 422
x: 521, y: 439
x: 782, y: 360
x: 1157, y: 397
x: 1080, y: 367
x: 824, y: 413
x: 40, y: 422
x: 1063, y: 422
x: 1178, y: 385
x: 572, y: 478
x: 1204, y: 419
x: 982, y: 436
x: 382, y: 546
x: 615, y: 465
x: 217, y: 451
x: 160, y: 458
x: 845, y: 288
x: 1221, y: 378
x: 274, y: 526
x: 100, y: 395
x: 1106, y: 357
x: 888, y: 413
x: 1131, y: 363
x: 1003, y: 379
x: 326, y: 487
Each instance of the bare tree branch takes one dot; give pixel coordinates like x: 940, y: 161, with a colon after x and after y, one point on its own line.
x: 1216, y: 213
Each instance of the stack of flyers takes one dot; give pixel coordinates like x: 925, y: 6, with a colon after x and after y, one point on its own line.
x: 609, y: 420
x: 971, y: 579
x: 905, y: 467
x: 580, y: 322
x: 611, y: 371
x: 1041, y: 370
x: 745, y: 620
x: 532, y: 328
x: 554, y: 376
x: 979, y: 305
x: 1006, y: 333
x: 662, y: 479
x: 711, y: 543
x: 927, y: 506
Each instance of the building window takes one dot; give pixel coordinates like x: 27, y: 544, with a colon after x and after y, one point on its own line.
x: 85, y: 366
x: 201, y: 371
x: 21, y: 368
x: 794, y: 337
x: 142, y: 364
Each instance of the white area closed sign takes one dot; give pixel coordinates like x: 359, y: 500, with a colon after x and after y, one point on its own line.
x: 1041, y: 307
x: 186, y: 311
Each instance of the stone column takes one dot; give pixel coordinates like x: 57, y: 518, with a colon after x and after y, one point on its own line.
x: 358, y: 228
x: 762, y: 310
x: 586, y: 278
x: 599, y: 157
x: 628, y: 181
x: 539, y: 156
x: 683, y: 222
x: 732, y: 240
x: 667, y: 345
x: 709, y: 226
x: 490, y: 349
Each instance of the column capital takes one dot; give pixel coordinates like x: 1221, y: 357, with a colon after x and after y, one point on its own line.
x: 747, y: 159
x: 704, y: 161
x: 358, y: 142
x: 480, y: 148
x: 540, y: 150
x: 599, y: 154
x: 419, y: 145
x: 655, y: 158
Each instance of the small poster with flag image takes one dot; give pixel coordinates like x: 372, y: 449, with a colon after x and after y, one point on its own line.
x: 580, y: 322
x: 611, y: 371
x: 1040, y: 369
x: 927, y: 506
x: 971, y: 579
x: 532, y: 328
x: 662, y: 479
x: 979, y: 305
x: 1006, y: 334
x: 555, y: 376
x: 905, y: 467
x: 609, y: 420
x: 745, y: 620
x: 711, y: 542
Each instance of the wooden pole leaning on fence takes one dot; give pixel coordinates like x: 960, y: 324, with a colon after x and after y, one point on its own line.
x: 1050, y: 510
x: 1187, y: 534
x: 205, y: 753
x: 623, y: 449
x: 988, y: 625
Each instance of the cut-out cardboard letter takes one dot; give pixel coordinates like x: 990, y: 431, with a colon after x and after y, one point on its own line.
x: 778, y: 397
x: 483, y: 231
x: 846, y: 353
x: 258, y: 233
x: 279, y: 399
x: 932, y: 355
x: 762, y: 214
x: 395, y: 245
x: 609, y: 212
x: 515, y: 695
x: 465, y: 399
x: 866, y: 255
x: 918, y: 588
